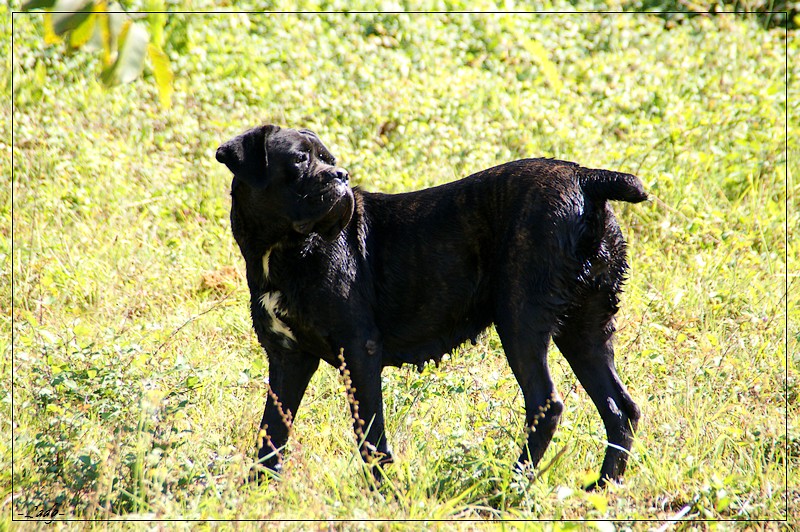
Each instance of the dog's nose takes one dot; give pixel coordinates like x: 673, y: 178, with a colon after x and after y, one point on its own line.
x: 341, y: 174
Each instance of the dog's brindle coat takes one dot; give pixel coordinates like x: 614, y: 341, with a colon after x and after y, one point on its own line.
x: 530, y: 246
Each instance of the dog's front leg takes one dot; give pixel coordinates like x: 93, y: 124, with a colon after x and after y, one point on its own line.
x: 289, y: 375
x: 362, y: 374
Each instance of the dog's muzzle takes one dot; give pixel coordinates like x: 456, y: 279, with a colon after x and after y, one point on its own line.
x: 333, y: 207
x: 341, y: 174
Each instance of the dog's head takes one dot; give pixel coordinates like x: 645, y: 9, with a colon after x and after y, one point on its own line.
x: 289, y: 177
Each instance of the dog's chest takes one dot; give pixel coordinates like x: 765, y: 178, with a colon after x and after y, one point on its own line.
x: 272, y: 301
x: 297, y: 300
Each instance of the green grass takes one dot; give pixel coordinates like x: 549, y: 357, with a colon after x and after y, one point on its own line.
x: 138, y: 382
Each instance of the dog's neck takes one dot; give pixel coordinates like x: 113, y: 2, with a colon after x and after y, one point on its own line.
x: 254, y: 234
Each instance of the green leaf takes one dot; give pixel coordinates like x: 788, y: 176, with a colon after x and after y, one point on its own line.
x: 599, y: 501
x: 157, y: 19
x: 109, y: 28
x: 162, y: 73
x: 40, y: 73
x: 81, y: 35
x: 53, y: 408
x: 723, y: 501
x: 69, y: 14
x: 38, y: 4
x: 549, y: 69
x: 50, y: 36
x: 130, y: 59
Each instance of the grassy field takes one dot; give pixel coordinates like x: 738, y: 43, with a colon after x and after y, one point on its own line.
x: 138, y: 382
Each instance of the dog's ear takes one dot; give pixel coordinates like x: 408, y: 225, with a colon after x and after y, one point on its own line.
x: 322, y: 151
x: 246, y: 155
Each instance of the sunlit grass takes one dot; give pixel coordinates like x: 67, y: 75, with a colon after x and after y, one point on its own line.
x: 138, y: 383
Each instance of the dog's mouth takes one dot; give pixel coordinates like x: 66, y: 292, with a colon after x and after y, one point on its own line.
x: 333, y: 211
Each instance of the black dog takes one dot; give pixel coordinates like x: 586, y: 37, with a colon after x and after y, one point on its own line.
x: 388, y: 279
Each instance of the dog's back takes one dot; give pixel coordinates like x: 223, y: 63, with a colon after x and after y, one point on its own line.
x: 544, y: 216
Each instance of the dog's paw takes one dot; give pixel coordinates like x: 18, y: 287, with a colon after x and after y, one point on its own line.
x: 375, y: 472
x: 601, y: 483
x: 259, y: 474
x: 525, y: 469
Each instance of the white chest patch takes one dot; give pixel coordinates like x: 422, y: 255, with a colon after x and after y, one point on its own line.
x: 271, y: 301
x: 265, y: 263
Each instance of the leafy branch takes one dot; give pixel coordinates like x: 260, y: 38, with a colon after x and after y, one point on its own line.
x: 126, y: 42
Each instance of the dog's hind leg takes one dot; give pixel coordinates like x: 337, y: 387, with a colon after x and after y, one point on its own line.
x: 585, y: 340
x: 526, y: 350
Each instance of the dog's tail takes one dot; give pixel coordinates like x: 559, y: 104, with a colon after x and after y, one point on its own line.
x: 602, y: 185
